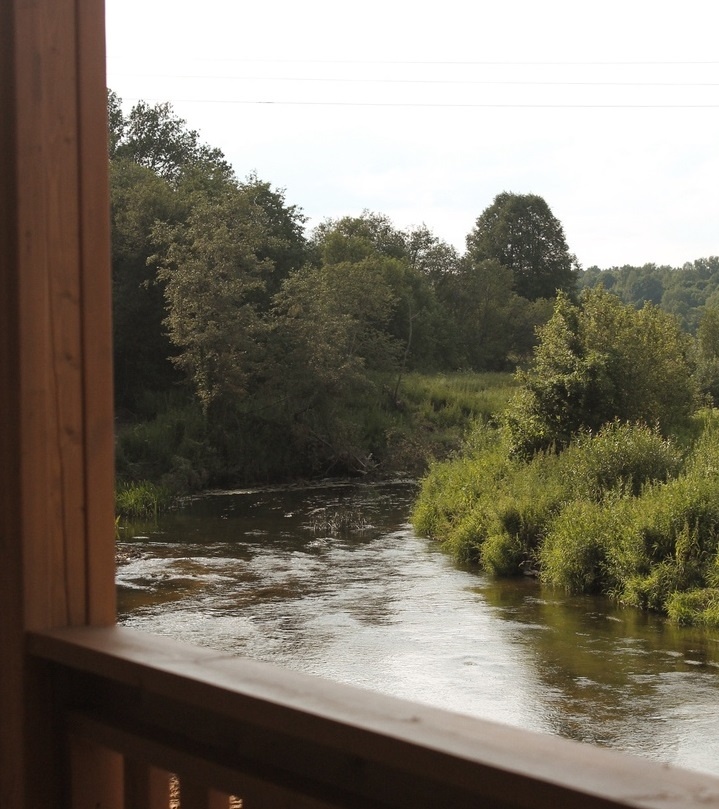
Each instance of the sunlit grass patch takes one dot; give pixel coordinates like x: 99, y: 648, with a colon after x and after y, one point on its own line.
x: 141, y: 499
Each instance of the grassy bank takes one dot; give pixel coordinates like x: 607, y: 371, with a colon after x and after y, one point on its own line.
x: 624, y: 512
x: 395, y: 429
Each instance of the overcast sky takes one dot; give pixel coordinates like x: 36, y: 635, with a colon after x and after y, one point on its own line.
x: 426, y: 111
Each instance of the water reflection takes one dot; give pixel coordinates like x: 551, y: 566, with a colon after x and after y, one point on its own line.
x: 371, y: 604
x: 617, y: 677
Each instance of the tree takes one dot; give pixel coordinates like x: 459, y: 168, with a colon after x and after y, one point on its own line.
x: 520, y: 231
x: 708, y: 353
x: 353, y: 238
x: 430, y: 256
x: 211, y: 271
x: 597, y: 362
x: 139, y: 200
x: 154, y: 137
x: 159, y: 171
x: 284, y: 245
x: 405, y: 258
x: 331, y: 354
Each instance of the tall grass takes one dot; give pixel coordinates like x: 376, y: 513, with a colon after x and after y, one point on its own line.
x: 142, y: 499
x: 624, y: 512
x: 458, y: 396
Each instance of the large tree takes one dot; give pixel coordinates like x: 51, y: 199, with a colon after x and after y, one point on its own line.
x: 408, y: 259
x: 521, y: 232
x: 140, y: 199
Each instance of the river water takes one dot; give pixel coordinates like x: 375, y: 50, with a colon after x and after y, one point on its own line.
x: 332, y: 581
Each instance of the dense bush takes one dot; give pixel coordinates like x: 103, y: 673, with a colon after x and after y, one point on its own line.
x: 622, y: 512
x: 620, y: 456
x: 598, y: 362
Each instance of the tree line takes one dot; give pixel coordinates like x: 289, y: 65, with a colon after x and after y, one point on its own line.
x: 278, y: 350
x: 289, y: 341
x: 686, y: 292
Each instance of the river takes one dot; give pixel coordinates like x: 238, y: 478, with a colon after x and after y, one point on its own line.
x: 332, y: 581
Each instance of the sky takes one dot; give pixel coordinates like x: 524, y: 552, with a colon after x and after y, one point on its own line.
x: 426, y: 111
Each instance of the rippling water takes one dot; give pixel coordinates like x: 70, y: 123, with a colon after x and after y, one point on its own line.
x: 332, y: 581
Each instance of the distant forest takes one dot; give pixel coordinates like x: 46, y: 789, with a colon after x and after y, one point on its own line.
x: 685, y: 291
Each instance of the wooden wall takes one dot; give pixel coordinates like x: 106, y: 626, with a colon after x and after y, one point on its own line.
x: 56, y: 428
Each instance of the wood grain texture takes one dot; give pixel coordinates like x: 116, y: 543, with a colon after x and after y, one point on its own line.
x: 56, y: 531
x: 93, y: 771
x: 245, y: 725
x: 96, y: 290
x: 11, y: 592
x: 198, y: 796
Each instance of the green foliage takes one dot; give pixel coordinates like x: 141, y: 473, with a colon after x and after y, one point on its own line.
x: 682, y: 291
x: 502, y: 554
x: 651, y: 547
x: 622, y: 512
x: 141, y: 499
x: 699, y: 607
x: 619, y: 458
x: 210, y: 267
x: 521, y: 233
x: 707, y: 372
x: 139, y: 200
x: 598, y: 362
x: 174, y: 449
x: 154, y: 137
x: 491, y: 325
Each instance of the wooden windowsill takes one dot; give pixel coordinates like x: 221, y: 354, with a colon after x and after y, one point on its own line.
x: 331, y: 741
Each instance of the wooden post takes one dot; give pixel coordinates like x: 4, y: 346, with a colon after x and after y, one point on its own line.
x: 56, y: 427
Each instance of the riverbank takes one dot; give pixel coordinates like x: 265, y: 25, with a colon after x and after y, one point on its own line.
x: 623, y: 512
x: 176, y: 449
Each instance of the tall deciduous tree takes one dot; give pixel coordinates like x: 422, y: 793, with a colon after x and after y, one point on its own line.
x: 406, y: 259
x: 521, y: 232
x: 211, y: 270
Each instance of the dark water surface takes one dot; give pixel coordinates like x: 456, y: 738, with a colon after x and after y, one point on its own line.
x: 332, y: 581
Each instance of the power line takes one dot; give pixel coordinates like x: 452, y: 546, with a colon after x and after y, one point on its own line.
x: 430, y: 104
x: 638, y: 63
x: 503, y: 83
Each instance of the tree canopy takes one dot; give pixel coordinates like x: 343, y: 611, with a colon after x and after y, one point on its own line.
x: 521, y: 233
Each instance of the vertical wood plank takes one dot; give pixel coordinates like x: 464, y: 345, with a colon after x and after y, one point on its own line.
x: 52, y: 437
x: 96, y: 319
x: 11, y: 593
x: 146, y: 787
x: 218, y: 800
x: 92, y: 769
x: 56, y: 531
x: 196, y: 796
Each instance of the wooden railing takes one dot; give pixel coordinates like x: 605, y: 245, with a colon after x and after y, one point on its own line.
x: 273, y: 738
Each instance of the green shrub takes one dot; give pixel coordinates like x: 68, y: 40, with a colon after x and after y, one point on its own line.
x: 700, y: 607
x: 622, y: 511
x: 502, y: 554
x: 573, y: 555
x: 680, y: 519
x: 620, y: 456
x: 597, y: 362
